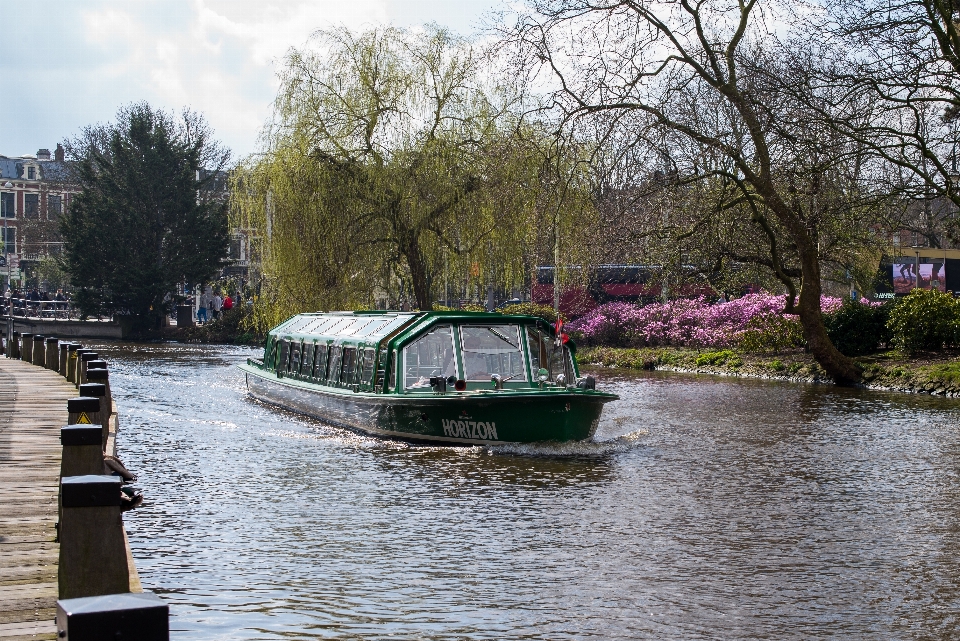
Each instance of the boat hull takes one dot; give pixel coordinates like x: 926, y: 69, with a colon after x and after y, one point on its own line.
x: 469, y: 419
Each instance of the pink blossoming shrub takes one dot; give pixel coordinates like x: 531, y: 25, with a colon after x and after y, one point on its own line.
x: 693, y: 323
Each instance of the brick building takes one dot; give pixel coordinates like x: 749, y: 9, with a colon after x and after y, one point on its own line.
x: 34, y: 190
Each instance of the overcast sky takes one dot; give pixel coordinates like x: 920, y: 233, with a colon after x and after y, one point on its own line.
x: 65, y: 64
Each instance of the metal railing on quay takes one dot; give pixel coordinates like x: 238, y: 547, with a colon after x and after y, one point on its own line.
x: 52, y: 309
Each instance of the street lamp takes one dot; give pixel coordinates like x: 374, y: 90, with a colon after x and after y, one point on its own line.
x: 6, y: 254
x: 6, y: 237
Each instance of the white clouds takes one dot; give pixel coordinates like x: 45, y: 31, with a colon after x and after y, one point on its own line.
x: 218, y: 57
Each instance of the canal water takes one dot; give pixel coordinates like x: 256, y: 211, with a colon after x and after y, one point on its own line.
x: 709, y: 508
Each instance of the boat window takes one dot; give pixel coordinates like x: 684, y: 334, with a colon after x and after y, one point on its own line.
x: 320, y: 362
x: 381, y: 370
x: 306, y: 362
x: 284, y: 355
x: 334, y: 371
x: 295, y: 356
x: 492, y: 349
x: 270, y: 351
x: 366, y: 375
x: 392, y: 382
x: 432, y: 354
x: 349, y: 365
x: 545, y: 354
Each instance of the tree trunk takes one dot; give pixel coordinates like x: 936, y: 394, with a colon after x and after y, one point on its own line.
x: 418, y: 275
x: 841, y: 368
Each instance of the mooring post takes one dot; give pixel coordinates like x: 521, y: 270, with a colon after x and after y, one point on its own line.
x: 85, y: 358
x: 142, y: 616
x: 99, y: 392
x: 15, y: 346
x: 38, y: 355
x: 62, y: 361
x: 52, y: 360
x: 73, y: 361
x: 83, y: 411
x: 93, y: 557
x: 82, y: 452
x: 102, y: 376
x: 26, y: 347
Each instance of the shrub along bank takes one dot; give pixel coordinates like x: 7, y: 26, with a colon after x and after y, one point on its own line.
x: 232, y: 327
x: 910, y: 345
x: 922, y: 372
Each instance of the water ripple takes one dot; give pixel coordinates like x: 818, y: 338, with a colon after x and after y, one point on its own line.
x: 705, y: 508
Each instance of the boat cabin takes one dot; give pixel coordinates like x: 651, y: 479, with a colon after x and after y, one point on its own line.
x: 420, y: 352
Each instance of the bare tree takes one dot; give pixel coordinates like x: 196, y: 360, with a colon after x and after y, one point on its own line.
x: 697, y: 84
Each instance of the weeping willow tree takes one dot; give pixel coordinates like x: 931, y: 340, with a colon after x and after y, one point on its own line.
x: 398, y: 163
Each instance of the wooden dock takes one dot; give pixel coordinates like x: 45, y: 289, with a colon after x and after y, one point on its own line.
x: 33, y: 407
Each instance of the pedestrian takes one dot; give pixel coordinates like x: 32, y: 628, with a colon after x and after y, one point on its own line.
x: 217, y: 306
x: 202, y: 309
x: 227, y: 303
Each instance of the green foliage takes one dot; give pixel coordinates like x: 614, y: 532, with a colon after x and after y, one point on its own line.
x: 857, y: 329
x: 776, y: 365
x: 138, y: 228
x: 722, y: 357
x: 925, y: 319
x: 545, y: 312
x: 772, y: 333
x: 233, y: 326
x: 948, y: 373
x: 399, y: 163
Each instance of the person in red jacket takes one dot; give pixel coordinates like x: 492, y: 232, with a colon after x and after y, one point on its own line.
x: 227, y: 303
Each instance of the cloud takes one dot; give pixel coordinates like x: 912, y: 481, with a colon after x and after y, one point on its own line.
x: 218, y: 57
x: 71, y: 64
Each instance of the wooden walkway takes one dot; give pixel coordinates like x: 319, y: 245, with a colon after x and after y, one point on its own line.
x: 33, y: 407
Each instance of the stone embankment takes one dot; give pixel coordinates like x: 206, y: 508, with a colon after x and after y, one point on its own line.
x: 932, y: 373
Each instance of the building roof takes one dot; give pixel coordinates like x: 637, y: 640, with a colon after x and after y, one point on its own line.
x: 50, y: 170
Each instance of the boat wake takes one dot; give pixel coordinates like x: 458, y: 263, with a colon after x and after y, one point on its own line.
x: 623, y: 443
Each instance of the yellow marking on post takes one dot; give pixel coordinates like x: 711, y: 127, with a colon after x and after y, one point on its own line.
x: 83, y: 419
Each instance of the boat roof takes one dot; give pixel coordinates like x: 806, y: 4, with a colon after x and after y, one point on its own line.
x: 373, y: 326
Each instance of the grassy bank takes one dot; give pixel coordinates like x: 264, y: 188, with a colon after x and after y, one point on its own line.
x: 929, y: 373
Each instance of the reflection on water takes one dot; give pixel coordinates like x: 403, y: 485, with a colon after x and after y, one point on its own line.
x: 708, y: 508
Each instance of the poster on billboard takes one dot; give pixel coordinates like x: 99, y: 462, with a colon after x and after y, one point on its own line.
x: 909, y: 275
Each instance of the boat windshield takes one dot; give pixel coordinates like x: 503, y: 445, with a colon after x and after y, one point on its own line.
x: 431, y: 355
x: 492, y: 349
x: 545, y: 354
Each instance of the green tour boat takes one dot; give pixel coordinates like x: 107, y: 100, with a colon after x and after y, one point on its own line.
x: 442, y: 377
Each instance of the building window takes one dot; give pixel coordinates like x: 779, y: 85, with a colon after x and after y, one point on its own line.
x: 8, y: 237
x: 54, y: 203
x: 31, y: 173
x: 7, y: 208
x: 31, y: 205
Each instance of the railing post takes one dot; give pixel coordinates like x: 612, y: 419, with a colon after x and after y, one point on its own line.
x: 52, y: 352
x: 99, y: 392
x: 73, y: 361
x: 38, y: 355
x: 93, y: 557
x: 64, y: 355
x: 82, y: 452
x: 85, y: 358
x: 142, y: 616
x: 26, y: 347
